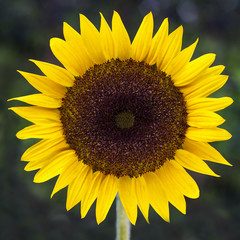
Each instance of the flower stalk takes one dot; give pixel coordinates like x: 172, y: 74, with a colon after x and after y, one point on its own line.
x: 123, y: 225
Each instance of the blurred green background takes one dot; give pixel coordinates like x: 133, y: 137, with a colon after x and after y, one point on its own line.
x: 26, y: 211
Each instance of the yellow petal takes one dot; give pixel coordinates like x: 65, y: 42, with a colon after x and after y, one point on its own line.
x: 87, y: 182
x: 45, y: 156
x: 55, y: 73
x: 74, y: 189
x: 106, y: 195
x: 175, y: 197
x: 172, y: 47
x: 69, y: 173
x: 210, y: 104
x: 204, y: 151
x: 143, y: 39
x: 44, y: 85
x: 192, y: 162
x: 204, y: 119
x: 142, y: 195
x: 181, y: 179
x: 157, y: 195
x: 67, y: 56
x: 158, y: 43
x: 202, y: 78
x: 91, y: 39
x: 37, y: 164
x: 55, y: 166
x: 40, y: 100
x: 91, y: 191
x: 38, y: 131
x: 204, y: 86
x: 216, y: 70
x: 128, y: 198
x: 205, y: 74
x: 180, y: 61
x: 76, y: 44
x: 193, y: 69
x: 213, y: 71
x: 120, y: 36
x: 38, y: 115
x: 43, y: 148
x: 208, y: 134
x: 107, y: 42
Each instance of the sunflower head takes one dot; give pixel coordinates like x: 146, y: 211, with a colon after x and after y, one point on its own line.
x: 124, y: 117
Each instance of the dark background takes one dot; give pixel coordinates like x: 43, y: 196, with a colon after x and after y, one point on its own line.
x: 26, y: 212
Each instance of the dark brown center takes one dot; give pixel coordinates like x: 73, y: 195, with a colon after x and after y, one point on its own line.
x: 124, y: 118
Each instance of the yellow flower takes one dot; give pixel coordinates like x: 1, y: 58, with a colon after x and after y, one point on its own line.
x: 124, y: 118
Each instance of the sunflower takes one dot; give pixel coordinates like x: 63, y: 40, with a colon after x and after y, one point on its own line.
x: 124, y: 118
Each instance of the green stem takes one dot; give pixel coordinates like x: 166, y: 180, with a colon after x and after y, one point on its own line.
x: 123, y: 225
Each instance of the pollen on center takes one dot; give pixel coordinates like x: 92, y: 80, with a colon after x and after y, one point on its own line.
x: 124, y: 119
